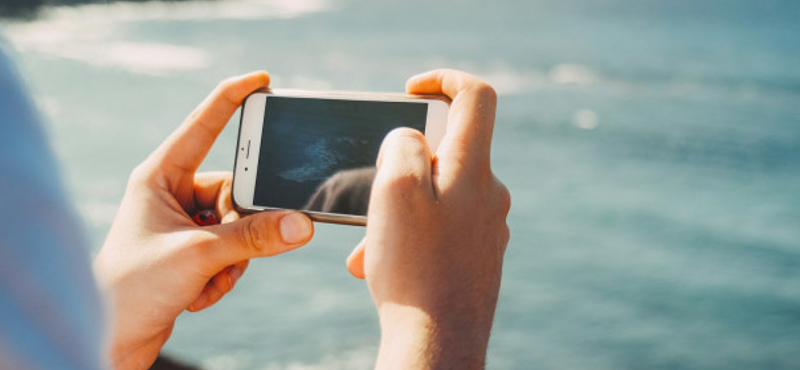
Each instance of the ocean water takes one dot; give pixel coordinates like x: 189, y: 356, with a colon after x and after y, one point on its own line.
x: 652, y: 150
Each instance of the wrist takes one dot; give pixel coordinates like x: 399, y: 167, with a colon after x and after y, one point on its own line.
x: 412, y: 338
x: 130, y: 356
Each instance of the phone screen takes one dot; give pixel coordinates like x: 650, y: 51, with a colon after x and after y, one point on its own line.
x: 319, y: 154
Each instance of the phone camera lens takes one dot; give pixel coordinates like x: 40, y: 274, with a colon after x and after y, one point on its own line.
x: 245, y: 168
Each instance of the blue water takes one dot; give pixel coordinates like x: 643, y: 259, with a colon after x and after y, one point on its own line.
x: 652, y: 150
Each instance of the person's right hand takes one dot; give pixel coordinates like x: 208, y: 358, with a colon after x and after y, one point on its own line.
x: 436, y: 234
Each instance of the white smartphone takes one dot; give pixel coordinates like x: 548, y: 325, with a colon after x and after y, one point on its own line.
x: 315, y: 151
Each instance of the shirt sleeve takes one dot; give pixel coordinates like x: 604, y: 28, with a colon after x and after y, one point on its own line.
x: 50, y: 310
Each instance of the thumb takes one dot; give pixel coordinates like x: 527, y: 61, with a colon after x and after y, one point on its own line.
x: 355, y: 262
x: 259, y: 235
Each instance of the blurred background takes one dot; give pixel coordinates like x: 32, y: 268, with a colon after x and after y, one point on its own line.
x: 652, y: 150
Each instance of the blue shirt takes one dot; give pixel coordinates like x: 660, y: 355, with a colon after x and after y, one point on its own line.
x: 50, y: 311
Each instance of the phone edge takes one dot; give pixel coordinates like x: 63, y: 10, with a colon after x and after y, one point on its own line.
x: 343, y: 219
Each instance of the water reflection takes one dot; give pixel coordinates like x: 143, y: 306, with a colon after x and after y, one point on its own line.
x: 163, y: 10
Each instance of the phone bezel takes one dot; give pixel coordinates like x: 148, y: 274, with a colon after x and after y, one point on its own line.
x: 250, y: 131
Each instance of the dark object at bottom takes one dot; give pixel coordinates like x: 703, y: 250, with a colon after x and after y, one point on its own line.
x: 206, y: 217
x: 166, y: 363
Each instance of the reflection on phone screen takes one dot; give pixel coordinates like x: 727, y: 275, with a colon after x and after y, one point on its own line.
x: 319, y: 154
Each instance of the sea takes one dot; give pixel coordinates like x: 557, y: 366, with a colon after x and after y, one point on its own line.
x: 651, y: 148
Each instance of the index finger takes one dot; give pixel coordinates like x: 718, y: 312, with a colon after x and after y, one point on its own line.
x: 186, y: 148
x: 470, y: 123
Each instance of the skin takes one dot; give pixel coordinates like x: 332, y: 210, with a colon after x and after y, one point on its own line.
x: 436, y: 234
x: 156, y: 262
x: 432, y: 256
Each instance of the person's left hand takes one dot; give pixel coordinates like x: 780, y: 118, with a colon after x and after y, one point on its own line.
x: 156, y: 261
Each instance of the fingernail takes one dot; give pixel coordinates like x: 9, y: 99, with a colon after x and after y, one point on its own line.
x: 235, y: 273
x: 361, y: 245
x: 295, y: 228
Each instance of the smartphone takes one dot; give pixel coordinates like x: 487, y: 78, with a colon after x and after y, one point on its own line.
x: 315, y: 151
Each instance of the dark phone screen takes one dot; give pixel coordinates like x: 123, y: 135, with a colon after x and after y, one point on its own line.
x: 319, y: 154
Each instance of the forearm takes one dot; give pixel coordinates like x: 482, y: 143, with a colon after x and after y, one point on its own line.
x: 414, y: 339
x: 433, y: 253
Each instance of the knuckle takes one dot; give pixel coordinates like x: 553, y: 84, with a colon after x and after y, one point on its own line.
x: 398, y: 183
x: 506, y: 238
x: 225, y: 85
x: 223, y: 90
x: 504, y: 198
x: 411, y: 143
x: 486, y: 92
x: 406, y: 134
x: 141, y: 175
x: 478, y: 178
x: 256, y: 236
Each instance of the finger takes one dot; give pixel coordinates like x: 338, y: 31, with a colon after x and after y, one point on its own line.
x: 259, y: 235
x: 207, y: 186
x: 470, y: 123
x: 404, y: 160
x: 355, y: 262
x: 219, y: 285
x: 186, y: 148
x: 212, y: 190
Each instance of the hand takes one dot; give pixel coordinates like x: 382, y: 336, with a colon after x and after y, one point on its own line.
x: 156, y: 262
x: 436, y: 234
